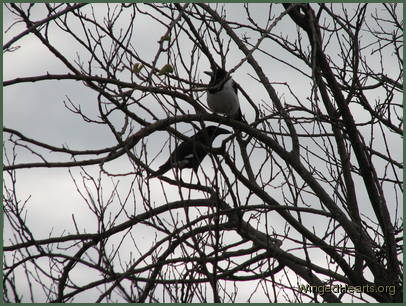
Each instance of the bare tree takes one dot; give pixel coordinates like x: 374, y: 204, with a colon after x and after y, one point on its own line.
x: 301, y: 203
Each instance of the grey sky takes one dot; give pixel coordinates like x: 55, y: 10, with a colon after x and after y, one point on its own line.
x: 37, y: 110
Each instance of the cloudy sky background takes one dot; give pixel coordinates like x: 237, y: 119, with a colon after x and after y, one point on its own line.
x: 37, y: 110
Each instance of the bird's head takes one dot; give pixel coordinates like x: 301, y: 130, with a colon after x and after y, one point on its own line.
x: 217, y: 75
x: 207, y: 135
x: 213, y: 131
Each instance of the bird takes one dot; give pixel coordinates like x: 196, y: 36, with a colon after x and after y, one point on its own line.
x: 190, y: 153
x: 222, y: 94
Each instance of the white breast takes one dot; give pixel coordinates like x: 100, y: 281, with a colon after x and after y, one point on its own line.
x: 224, y: 101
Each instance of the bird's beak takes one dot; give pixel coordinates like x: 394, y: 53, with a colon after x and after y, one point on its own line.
x: 208, y: 73
x: 223, y: 131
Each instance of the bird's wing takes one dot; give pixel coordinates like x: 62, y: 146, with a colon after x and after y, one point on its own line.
x: 189, y: 150
x: 235, y: 86
x: 238, y: 115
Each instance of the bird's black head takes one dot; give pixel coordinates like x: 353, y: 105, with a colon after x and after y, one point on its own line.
x: 214, y: 131
x: 217, y: 75
x: 208, y: 134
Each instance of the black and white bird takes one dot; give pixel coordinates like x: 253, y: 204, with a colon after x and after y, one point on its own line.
x: 190, y: 153
x: 222, y: 94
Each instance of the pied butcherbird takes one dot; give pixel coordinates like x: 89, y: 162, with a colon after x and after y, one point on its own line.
x: 190, y: 153
x: 222, y: 94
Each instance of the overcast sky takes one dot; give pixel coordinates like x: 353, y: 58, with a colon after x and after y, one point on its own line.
x: 37, y: 110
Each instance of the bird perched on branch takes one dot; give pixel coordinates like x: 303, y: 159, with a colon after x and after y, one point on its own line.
x: 222, y: 94
x: 190, y: 153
